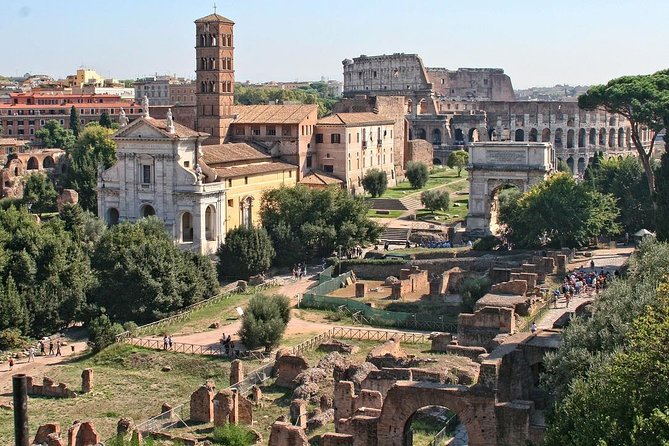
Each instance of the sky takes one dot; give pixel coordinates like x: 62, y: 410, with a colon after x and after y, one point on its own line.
x: 537, y: 43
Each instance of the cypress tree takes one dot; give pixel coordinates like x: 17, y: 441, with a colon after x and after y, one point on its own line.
x: 13, y: 310
x: 75, y: 122
x: 105, y: 120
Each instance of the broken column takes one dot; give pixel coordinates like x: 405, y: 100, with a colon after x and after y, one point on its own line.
x: 360, y: 289
x: 201, y: 404
x: 87, y: 380
x: 236, y: 371
x: 298, y: 413
x: 224, y: 408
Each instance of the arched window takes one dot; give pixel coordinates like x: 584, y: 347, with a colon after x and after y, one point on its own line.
x: 436, y: 136
x: 592, y: 140
x: 421, y: 134
x: 570, y: 138
x: 581, y: 138
x: 33, y: 164
x: 602, y: 137
x: 546, y: 135
x: 581, y: 165
x: 247, y: 211
x: 520, y: 135
x: 112, y: 216
x: 48, y: 162
x: 612, y: 138
x: 459, y: 137
x: 570, y: 163
x: 473, y: 135
x: 558, y: 139
x: 621, y: 137
x: 534, y: 135
x: 210, y: 223
x: 146, y: 211
x: 186, y: 227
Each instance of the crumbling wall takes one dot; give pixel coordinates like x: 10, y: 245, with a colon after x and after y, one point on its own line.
x: 49, y: 388
x: 412, y: 280
x: 481, y: 327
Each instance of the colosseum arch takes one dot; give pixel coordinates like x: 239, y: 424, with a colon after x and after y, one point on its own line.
x: 546, y: 135
x: 520, y: 135
x: 473, y: 135
x: 421, y: 134
x: 405, y: 398
x: 612, y: 138
x: 33, y: 164
x: 436, y: 136
x: 558, y: 138
x: 581, y: 138
x: 570, y: 138
x: 534, y: 135
x: 621, y: 137
x: 592, y: 140
x: 602, y: 137
x: 581, y: 165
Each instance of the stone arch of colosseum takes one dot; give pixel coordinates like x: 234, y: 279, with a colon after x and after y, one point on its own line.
x: 495, y: 165
x: 475, y: 409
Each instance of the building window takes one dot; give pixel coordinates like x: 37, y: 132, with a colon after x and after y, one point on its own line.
x: 319, y: 138
x: 255, y: 131
x: 246, y: 180
x: 335, y: 138
x: 271, y: 131
x: 308, y: 161
x: 146, y: 174
x: 239, y: 131
x: 329, y: 168
x: 285, y: 130
x: 231, y: 203
x: 229, y: 182
x: 186, y: 163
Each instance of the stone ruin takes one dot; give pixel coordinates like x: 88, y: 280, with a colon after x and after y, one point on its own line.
x: 412, y: 280
x: 79, y: 434
x: 286, y: 368
x: 285, y: 434
x: 50, y: 389
x: 202, y: 403
x: 226, y: 406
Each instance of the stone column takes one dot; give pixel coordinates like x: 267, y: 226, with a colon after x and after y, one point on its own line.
x: 236, y: 371
x: 87, y: 380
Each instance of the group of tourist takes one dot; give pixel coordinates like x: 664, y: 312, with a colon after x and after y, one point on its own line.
x: 581, y: 282
x: 299, y: 271
x: 54, y: 350
x: 228, y: 346
x: 168, y: 342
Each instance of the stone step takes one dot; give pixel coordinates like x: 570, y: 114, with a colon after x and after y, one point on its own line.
x: 387, y: 204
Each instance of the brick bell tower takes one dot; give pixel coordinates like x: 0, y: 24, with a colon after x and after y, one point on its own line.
x: 215, y: 76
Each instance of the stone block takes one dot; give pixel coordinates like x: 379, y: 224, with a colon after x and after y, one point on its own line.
x: 166, y: 410
x: 298, y: 413
x: 440, y: 341
x: 285, y: 434
x: 516, y: 287
x: 244, y: 410
x: 332, y: 439
x: 360, y: 289
x: 86, y: 380
x: 236, y: 371
x: 286, y: 369
x: 87, y: 435
x: 55, y: 440
x: 225, y: 408
x: 44, y: 431
x: 201, y: 404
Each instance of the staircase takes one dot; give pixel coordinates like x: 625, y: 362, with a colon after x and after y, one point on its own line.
x: 395, y: 235
x: 387, y: 204
x: 412, y: 202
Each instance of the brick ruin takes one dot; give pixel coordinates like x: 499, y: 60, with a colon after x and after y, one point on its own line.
x: 411, y: 281
x: 79, y: 434
x: 50, y: 389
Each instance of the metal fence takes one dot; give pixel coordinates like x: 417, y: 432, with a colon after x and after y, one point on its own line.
x: 196, y: 349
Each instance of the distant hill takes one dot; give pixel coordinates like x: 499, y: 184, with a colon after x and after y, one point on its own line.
x: 555, y: 93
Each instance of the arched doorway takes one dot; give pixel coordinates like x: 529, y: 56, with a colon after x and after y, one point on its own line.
x: 581, y: 138
x: 592, y: 140
x: 436, y: 136
x: 186, y: 227
x: 459, y: 137
x: 428, y: 421
x: 558, y: 138
x: 546, y: 135
x: 47, y: 163
x: 421, y: 134
x: 570, y: 138
x: 112, y: 216
x: 534, y: 135
x: 247, y: 212
x: 612, y: 138
x: 570, y: 163
x: 146, y: 211
x: 519, y: 136
x: 499, y: 197
x: 436, y: 162
x: 473, y: 135
x: 581, y: 165
x: 210, y: 223
x: 33, y: 164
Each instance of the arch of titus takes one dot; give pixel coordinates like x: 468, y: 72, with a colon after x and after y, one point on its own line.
x: 495, y: 165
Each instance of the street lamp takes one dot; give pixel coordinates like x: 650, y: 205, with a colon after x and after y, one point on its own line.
x: 339, y: 259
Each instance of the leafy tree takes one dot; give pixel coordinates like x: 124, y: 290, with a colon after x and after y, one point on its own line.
x: 94, y: 150
x: 84, y: 227
x: 39, y: 194
x: 246, y: 252
x: 13, y: 309
x: 75, y: 122
x: 54, y: 135
x: 563, y: 166
x: 622, y: 399
x: 458, y: 159
x: 662, y: 196
x: 10, y: 338
x: 644, y: 101
x: 567, y: 212
x: 142, y: 276
x: 105, y: 120
x: 264, y: 321
x: 375, y: 182
x: 102, y: 332
x: 435, y: 200
x: 305, y: 223
x: 472, y: 290
x: 417, y: 174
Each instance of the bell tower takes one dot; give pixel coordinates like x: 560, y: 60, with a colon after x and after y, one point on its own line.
x: 215, y: 76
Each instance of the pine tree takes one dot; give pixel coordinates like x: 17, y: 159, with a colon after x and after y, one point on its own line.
x: 75, y: 121
x: 13, y: 310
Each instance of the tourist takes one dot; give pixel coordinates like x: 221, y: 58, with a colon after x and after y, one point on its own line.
x: 165, y: 342
x: 305, y: 269
x: 11, y: 363
x: 556, y: 294
x: 567, y: 298
x: 50, y: 347
x: 31, y: 354
x: 533, y: 327
x: 592, y: 265
x: 58, y: 348
x: 171, y: 341
x: 42, y: 348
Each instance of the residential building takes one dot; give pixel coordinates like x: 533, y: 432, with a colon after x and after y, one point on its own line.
x: 86, y: 76
x: 181, y: 93
x: 349, y: 145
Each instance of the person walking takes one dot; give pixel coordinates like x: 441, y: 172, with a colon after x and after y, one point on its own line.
x: 58, y: 344
x: 11, y: 363
x: 171, y: 341
x: 42, y: 348
x: 165, y: 342
x: 533, y: 327
x: 592, y: 265
x: 50, y: 347
x: 31, y: 354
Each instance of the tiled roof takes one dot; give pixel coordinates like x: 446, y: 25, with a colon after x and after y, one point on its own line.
x: 366, y: 118
x: 318, y: 178
x: 180, y: 131
x: 226, y: 153
x: 214, y: 18
x: 12, y: 142
x: 272, y: 114
x: 253, y: 169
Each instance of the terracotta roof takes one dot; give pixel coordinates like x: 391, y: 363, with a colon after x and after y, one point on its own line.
x: 12, y: 142
x: 273, y: 114
x: 226, y: 153
x: 180, y: 131
x: 366, y: 118
x: 253, y: 169
x: 318, y: 178
x: 214, y: 18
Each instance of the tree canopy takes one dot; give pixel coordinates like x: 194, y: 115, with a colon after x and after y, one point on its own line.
x: 458, y: 159
x: 317, y: 93
x: 75, y: 121
x: 662, y: 197
x: 53, y: 135
x: 304, y: 223
x: 264, y: 321
x: 39, y: 194
x: 375, y: 182
x: 246, y: 252
x: 567, y: 212
x: 417, y: 174
x: 435, y: 200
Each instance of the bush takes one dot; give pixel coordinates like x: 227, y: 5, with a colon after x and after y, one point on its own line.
x: 233, y: 435
x: 487, y: 243
x: 417, y: 174
x: 472, y: 290
x: 458, y: 159
x: 246, y: 252
x: 264, y: 321
x: 375, y: 182
x: 130, y: 327
x: 435, y: 200
x: 102, y: 333
x: 10, y: 338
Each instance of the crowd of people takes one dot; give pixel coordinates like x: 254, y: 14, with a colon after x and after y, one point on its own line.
x: 582, y: 282
x: 54, y: 349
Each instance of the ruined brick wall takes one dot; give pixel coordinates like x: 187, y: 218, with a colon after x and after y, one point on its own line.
x: 472, y: 83
x: 481, y: 327
x: 419, y: 150
x: 412, y: 280
x: 49, y: 388
x: 516, y: 287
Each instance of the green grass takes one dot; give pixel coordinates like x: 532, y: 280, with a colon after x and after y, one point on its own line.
x: 451, y: 215
x: 438, y: 177
x: 372, y: 213
x: 409, y: 251
x: 128, y: 382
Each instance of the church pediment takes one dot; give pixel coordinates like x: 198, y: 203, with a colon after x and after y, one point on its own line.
x: 142, y: 129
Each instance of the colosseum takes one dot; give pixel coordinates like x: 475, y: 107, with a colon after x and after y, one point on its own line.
x: 450, y: 108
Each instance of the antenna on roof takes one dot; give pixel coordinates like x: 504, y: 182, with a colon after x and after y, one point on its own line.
x: 214, y: 7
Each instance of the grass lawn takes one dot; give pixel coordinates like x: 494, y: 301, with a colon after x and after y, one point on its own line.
x: 451, y: 215
x: 128, y: 382
x: 438, y: 177
x: 374, y: 213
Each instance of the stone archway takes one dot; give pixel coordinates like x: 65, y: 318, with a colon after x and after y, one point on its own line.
x: 495, y: 164
x: 475, y: 411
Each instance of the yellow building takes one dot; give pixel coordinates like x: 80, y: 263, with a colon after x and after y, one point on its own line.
x: 246, y: 172
x: 85, y: 76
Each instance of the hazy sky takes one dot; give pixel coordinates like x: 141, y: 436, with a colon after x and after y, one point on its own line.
x: 537, y: 43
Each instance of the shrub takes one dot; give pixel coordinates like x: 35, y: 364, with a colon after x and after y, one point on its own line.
x: 102, y: 333
x: 10, y: 338
x: 130, y: 327
x: 246, y: 252
x: 417, y: 174
x: 233, y: 435
x: 487, y: 243
x: 435, y: 200
x: 458, y: 159
x: 472, y: 290
x: 264, y: 321
x: 375, y: 182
